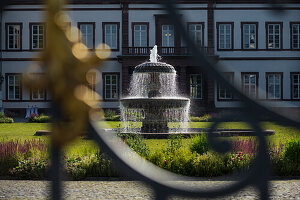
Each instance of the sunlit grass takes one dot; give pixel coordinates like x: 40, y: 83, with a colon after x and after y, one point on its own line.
x: 22, y: 131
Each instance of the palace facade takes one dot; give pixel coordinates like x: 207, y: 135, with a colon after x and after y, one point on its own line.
x: 258, y: 49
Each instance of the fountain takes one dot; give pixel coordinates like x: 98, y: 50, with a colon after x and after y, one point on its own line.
x: 153, y: 98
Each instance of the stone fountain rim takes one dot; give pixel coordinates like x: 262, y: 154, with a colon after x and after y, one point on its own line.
x: 160, y: 67
x: 155, y: 98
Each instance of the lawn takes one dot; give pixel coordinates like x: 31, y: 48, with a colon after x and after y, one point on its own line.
x: 22, y: 131
x: 83, y: 160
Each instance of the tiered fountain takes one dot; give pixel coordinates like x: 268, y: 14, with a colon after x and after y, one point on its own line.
x: 153, y: 98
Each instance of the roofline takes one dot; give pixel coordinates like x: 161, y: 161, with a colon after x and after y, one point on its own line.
x: 39, y: 2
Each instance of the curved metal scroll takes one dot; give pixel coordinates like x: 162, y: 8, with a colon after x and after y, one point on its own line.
x: 159, y: 179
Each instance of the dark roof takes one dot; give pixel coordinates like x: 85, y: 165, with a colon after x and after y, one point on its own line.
x: 150, y: 1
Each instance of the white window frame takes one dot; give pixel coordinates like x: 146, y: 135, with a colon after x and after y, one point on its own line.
x: 195, y: 33
x: 223, y: 44
x: 296, y: 35
x: 14, y: 85
x: 16, y: 36
x: 139, y: 33
x: 38, y: 35
x: 110, y: 97
x: 166, y: 32
x: 39, y: 91
x: 87, y: 37
x: 196, y: 85
x: 227, y: 93
x: 91, y: 77
x: 272, y: 84
x: 249, y: 84
x: 109, y: 36
x: 297, y: 84
x: 248, y: 41
x: 273, y: 36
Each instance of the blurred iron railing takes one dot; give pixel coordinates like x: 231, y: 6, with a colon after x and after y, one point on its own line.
x: 139, y: 169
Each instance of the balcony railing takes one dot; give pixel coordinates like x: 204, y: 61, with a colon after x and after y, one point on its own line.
x: 138, y: 51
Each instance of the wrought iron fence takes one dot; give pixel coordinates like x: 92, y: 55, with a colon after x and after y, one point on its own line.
x: 64, y: 61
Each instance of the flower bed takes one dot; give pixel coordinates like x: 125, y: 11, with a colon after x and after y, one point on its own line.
x: 29, y: 159
x: 34, y: 118
x: 4, y: 119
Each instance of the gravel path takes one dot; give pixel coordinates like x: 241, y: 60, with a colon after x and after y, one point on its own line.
x: 15, y: 189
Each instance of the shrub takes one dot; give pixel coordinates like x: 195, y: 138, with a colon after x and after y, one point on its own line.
x: 292, y: 150
x: 137, y: 144
x: 30, y: 169
x: 238, y: 161
x: 208, y: 165
x: 199, y: 144
x: 4, y: 119
x: 34, y: 118
x: 180, y: 161
x: 113, y: 118
x: 109, y: 113
x: 158, y: 158
x: 96, y: 165
x: 203, y: 118
x: 174, y: 143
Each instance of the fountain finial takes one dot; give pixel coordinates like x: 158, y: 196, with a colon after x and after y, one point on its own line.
x: 153, y: 54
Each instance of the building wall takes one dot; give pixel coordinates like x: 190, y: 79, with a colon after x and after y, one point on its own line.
x: 20, y: 61
x: 239, y: 66
x: 236, y: 60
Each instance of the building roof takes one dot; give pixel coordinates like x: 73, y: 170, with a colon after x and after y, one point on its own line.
x: 151, y: 1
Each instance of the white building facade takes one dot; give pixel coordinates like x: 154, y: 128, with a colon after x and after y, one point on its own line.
x: 258, y: 49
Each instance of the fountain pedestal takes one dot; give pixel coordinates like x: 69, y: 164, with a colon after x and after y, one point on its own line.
x: 154, y: 122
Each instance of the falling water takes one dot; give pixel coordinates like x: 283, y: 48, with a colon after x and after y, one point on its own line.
x: 155, y: 111
x: 140, y: 82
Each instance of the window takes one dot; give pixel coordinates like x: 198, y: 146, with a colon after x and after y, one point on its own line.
x: 87, y: 34
x: 274, y: 34
x: 14, y: 36
x: 37, y: 36
x: 224, y: 93
x: 196, y: 33
x: 225, y: 35
x: 38, y: 93
x: 111, y: 86
x: 249, y: 35
x: 14, y: 87
x: 295, y: 78
x: 91, y: 79
x: 168, y: 36
x: 274, y: 85
x: 250, y: 83
x: 111, y: 35
x: 196, y: 86
x: 140, y: 35
x: 295, y: 35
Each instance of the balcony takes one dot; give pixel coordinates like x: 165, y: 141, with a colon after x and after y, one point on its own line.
x: 164, y: 51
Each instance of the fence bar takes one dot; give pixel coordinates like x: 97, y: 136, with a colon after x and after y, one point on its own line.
x: 56, y: 172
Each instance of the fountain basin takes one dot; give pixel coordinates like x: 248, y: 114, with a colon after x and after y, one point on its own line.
x: 153, y: 97
x: 153, y: 103
x: 157, y: 67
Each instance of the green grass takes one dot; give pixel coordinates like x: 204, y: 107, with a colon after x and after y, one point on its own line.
x: 24, y: 131
x: 21, y: 131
